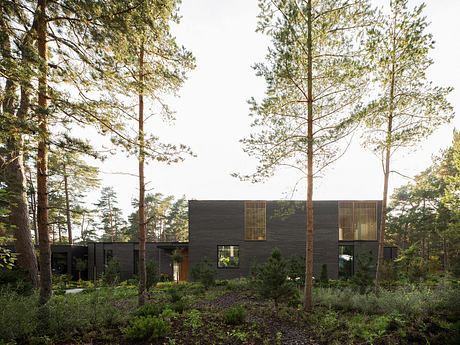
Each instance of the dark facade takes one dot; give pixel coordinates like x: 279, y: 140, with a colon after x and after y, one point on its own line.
x: 127, y: 254
x: 215, y: 226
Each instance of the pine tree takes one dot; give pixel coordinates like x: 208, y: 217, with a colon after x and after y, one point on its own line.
x: 314, y: 79
x: 408, y: 107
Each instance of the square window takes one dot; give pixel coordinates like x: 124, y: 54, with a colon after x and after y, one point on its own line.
x: 228, y: 256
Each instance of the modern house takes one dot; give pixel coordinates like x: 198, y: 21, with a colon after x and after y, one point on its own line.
x: 233, y: 234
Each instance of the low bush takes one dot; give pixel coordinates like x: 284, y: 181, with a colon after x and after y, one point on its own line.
x: 16, y: 279
x: 204, y: 272
x: 149, y: 309
x: 147, y: 327
x: 111, y: 274
x: 174, y: 294
x: 239, y: 284
x: 181, y: 305
x: 152, y: 274
x: 18, y: 316
x: 235, y: 315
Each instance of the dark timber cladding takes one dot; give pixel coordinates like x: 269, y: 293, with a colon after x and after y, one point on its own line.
x: 219, y: 225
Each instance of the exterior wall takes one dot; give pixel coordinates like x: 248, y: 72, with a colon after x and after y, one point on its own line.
x: 124, y: 252
x: 213, y: 223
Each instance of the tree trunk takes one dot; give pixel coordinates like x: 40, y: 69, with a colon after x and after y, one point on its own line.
x: 42, y: 158
x: 309, y: 244
x: 423, y: 248
x: 142, y: 267
x: 33, y: 205
x: 67, y: 206
x: 405, y: 236
x: 111, y: 218
x: 444, y: 250
x: 16, y: 180
x: 386, y: 176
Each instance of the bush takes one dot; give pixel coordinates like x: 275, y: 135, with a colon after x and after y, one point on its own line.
x: 16, y: 279
x: 324, y: 276
x: 149, y: 309
x: 364, y: 277
x: 296, y: 269
x: 147, y: 327
x: 204, y: 273
x: 239, y: 284
x: 174, y: 294
x: 181, y: 305
x: 152, y: 274
x: 18, y: 316
x: 111, y: 274
x: 271, y: 279
x: 235, y: 316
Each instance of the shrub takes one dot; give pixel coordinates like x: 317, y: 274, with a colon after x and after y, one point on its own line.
x: 174, y: 294
x: 412, y: 266
x: 18, y: 316
x: 239, y: 284
x: 152, y: 274
x: 235, y: 315
x: 204, y: 272
x: 149, y: 309
x: 147, y: 327
x: 296, y: 269
x: 271, y: 279
x: 364, y: 277
x: 111, y: 274
x: 324, y: 276
x: 181, y: 305
x: 16, y: 279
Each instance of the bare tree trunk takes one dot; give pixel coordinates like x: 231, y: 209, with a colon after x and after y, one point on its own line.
x: 444, y: 250
x: 111, y: 218
x: 42, y: 158
x: 309, y: 242
x: 405, y: 236
x: 386, y: 176
x: 33, y: 205
x: 19, y: 212
x: 422, y: 254
x: 67, y: 206
x: 142, y: 268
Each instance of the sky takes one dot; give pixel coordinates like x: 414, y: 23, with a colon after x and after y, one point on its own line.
x: 212, y: 115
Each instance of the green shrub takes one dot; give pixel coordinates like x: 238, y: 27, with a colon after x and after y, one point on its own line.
x: 152, y: 274
x: 197, y: 289
x: 181, y: 305
x: 235, y: 315
x: 204, y: 272
x: 174, y: 294
x: 16, y: 279
x: 18, y: 316
x: 239, y: 284
x: 147, y: 327
x: 296, y: 269
x: 111, y: 274
x: 270, y: 279
x: 364, y: 277
x: 324, y: 278
x: 149, y: 309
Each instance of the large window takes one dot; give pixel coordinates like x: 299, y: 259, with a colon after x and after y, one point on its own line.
x: 357, y: 221
x: 228, y: 256
x: 255, y: 221
x: 345, y: 262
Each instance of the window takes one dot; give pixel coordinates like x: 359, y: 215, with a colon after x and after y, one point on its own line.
x: 345, y: 262
x: 59, y: 263
x: 255, y: 221
x: 357, y: 221
x: 228, y: 256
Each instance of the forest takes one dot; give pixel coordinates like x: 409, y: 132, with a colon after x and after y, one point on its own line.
x: 80, y: 80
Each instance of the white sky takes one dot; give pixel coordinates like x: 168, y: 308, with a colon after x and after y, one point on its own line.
x: 212, y: 114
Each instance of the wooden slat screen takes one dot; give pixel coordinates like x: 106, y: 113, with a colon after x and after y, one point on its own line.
x: 255, y: 221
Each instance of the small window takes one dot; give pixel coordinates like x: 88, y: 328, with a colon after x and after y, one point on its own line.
x: 255, y: 221
x: 345, y: 262
x: 228, y: 256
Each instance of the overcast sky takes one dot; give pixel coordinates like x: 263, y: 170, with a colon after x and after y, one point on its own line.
x: 212, y: 115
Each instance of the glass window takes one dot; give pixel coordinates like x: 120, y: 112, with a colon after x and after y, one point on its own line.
x: 228, y: 256
x: 345, y: 262
x: 357, y: 221
x: 59, y: 263
x: 255, y: 221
